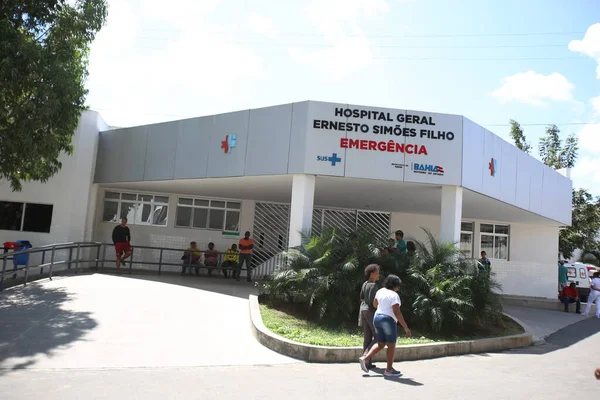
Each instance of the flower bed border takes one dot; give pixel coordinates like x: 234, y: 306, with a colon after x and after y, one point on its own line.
x: 324, y: 354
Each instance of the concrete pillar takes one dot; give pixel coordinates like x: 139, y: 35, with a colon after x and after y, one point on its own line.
x: 451, y: 214
x: 303, y: 193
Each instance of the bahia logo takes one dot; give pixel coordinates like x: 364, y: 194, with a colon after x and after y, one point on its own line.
x: 427, y: 169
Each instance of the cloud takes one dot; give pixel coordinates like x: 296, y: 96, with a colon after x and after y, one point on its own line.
x: 261, y: 24
x: 536, y: 89
x: 585, y: 173
x: 139, y: 73
x: 589, y: 139
x: 590, y: 45
x: 596, y: 105
x: 339, y: 21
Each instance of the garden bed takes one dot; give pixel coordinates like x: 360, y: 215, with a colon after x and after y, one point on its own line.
x: 290, y: 324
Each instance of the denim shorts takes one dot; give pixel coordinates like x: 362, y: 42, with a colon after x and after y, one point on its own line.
x: 386, y: 329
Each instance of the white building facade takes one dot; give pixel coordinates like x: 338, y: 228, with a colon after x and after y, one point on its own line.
x: 293, y: 168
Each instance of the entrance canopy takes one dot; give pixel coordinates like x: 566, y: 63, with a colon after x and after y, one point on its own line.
x: 343, y: 192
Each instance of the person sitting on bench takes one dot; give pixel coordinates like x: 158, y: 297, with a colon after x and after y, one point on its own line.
x: 211, y: 256
x: 191, y: 256
x: 231, y: 260
x: 570, y: 295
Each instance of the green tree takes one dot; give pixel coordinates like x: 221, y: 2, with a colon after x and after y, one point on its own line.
x: 44, y: 46
x: 585, y: 225
x: 554, y: 153
x: 517, y: 135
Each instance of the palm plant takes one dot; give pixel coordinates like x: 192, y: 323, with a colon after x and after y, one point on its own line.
x: 442, y: 291
x: 446, y: 292
x: 325, y: 275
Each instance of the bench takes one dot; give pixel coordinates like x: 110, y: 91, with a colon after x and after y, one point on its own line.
x: 200, y: 265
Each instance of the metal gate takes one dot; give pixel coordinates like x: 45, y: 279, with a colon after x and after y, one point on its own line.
x: 272, y: 225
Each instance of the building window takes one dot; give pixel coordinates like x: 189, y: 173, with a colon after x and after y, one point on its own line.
x: 494, y: 240
x: 26, y: 217
x: 139, y: 209
x: 466, y: 238
x: 208, y: 214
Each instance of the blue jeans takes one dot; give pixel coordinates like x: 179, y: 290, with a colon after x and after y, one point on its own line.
x: 386, y: 328
x: 568, y: 300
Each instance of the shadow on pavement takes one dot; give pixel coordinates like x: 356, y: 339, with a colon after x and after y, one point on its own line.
x: 33, y: 322
x: 398, y: 379
x: 565, y: 337
x: 215, y: 284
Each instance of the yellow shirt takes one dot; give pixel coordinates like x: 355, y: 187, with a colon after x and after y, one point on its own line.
x: 194, y: 252
x: 231, y: 255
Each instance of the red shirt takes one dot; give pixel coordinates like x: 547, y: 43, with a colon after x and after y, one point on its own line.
x: 569, y: 291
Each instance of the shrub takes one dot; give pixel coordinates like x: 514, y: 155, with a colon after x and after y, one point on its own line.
x: 441, y: 290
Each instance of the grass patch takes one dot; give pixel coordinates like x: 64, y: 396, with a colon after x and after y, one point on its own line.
x: 287, y: 323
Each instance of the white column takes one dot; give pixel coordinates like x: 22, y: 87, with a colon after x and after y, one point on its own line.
x: 451, y: 214
x: 303, y: 193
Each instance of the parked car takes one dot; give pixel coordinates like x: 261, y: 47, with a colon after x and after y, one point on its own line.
x: 581, y: 274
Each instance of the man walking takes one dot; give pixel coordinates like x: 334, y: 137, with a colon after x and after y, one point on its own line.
x: 121, y: 237
x: 594, y: 295
x: 246, y: 246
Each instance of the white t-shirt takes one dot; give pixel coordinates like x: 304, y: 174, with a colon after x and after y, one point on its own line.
x: 596, y: 282
x: 386, y: 298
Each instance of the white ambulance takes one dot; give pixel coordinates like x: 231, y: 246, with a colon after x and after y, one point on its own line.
x: 581, y: 274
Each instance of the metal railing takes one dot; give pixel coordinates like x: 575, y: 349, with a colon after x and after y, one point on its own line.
x: 75, y: 256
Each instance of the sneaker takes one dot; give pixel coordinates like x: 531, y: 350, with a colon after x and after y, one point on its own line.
x: 363, y: 364
x: 371, y: 366
x: 391, y: 372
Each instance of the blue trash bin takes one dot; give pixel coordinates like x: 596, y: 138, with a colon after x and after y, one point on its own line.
x: 21, y: 259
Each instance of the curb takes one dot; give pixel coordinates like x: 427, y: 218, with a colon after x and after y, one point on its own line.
x: 323, y: 354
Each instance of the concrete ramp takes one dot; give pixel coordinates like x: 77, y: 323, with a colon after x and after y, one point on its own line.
x: 101, y: 321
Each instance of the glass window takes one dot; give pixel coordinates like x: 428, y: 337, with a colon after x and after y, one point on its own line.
x: 11, y: 215
x: 217, y: 204
x: 142, y: 214
x: 111, y: 211
x: 208, y: 214
x: 184, y: 216
x: 161, y: 199
x: 232, y: 221
x: 38, y: 218
x: 216, y: 218
x: 112, y: 195
x: 128, y: 211
x: 501, y: 229
x: 26, y: 217
x: 495, y: 240
x: 466, y: 226
x: 501, y: 247
x: 487, y: 244
x: 234, y: 205
x: 201, y: 218
x: 159, y: 217
x: 466, y: 244
x: 487, y: 228
x: 201, y: 203
x: 139, y: 209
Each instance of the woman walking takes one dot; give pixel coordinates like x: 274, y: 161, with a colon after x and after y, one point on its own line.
x: 386, y: 320
x: 367, y: 309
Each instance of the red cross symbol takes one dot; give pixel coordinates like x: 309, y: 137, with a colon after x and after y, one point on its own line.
x: 225, y: 144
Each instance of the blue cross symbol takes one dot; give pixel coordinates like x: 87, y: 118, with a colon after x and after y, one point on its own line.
x: 334, y: 159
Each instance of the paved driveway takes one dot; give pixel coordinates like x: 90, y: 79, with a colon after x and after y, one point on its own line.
x: 101, y: 321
